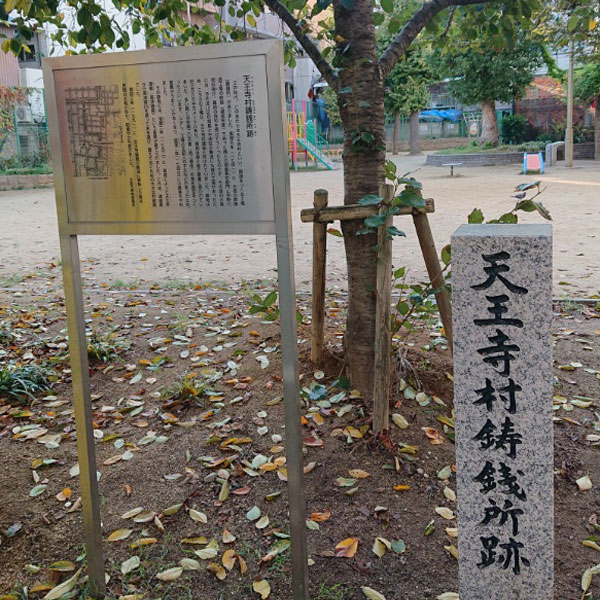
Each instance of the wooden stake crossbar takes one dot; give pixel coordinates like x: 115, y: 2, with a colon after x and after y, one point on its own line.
x: 327, y: 214
x: 322, y: 214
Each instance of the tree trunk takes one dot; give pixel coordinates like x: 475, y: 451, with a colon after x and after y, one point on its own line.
x: 415, y: 134
x: 396, y: 139
x: 597, y: 129
x: 489, y: 123
x: 361, y: 109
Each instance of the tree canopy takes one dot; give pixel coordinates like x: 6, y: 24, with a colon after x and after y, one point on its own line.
x: 487, y: 74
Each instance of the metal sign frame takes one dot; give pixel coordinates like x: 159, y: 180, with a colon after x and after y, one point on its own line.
x: 272, y: 50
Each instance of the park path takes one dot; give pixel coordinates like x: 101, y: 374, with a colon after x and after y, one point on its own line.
x: 29, y: 241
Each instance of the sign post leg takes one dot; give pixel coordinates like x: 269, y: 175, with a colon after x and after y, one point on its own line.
x: 291, y: 398
x: 82, y: 405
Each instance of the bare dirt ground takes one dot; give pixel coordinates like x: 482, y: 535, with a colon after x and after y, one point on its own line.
x: 29, y: 240
x: 189, y: 405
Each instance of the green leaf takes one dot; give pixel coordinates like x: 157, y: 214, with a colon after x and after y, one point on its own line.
x: 270, y: 299
x: 411, y: 181
x: 476, y: 216
x: 387, y: 5
x: 318, y: 392
x: 375, y: 220
x: 446, y: 254
x: 399, y: 273
x: 390, y: 170
x: 527, y: 186
x: 543, y: 210
x: 393, y: 230
x: 378, y: 18
x: 573, y: 23
x: 335, y: 232
x: 525, y: 205
x: 409, y: 196
x: 403, y: 308
x: 370, y: 200
x: 509, y: 218
x: 251, y: 20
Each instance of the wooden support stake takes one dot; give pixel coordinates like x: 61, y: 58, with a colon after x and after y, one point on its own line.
x: 354, y: 211
x: 435, y: 272
x: 383, y: 333
x: 318, y: 282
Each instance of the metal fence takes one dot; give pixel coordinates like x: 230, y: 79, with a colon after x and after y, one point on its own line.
x: 24, y: 134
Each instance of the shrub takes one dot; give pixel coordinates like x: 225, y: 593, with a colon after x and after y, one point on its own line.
x: 516, y: 129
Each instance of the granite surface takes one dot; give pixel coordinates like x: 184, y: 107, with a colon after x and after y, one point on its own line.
x: 502, y: 315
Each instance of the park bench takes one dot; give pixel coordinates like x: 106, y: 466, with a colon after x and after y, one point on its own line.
x: 452, y: 165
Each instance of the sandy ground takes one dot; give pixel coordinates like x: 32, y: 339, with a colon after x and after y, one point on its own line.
x: 29, y: 241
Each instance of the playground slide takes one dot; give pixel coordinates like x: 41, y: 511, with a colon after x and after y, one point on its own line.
x: 317, y: 153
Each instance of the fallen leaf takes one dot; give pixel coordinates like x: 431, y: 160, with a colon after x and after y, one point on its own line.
x: 347, y: 548
x: 399, y: 421
x: 359, y: 473
x: 228, y: 560
x: 380, y: 546
x: 60, y: 590
x: 372, y: 594
x: 262, y: 587
x: 62, y: 566
x: 198, y: 516
x: 584, y: 483
x: 189, y: 564
x: 433, y: 435
x: 450, y: 494
x: 262, y: 522
x: 143, y: 542
x: 130, y: 564
x: 319, y: 517
x: 228, y: 537
x: 253, y: 513
x: 445, y: 512
x: 119, y: 534
x: 170, y: 574
x: 218, y: 570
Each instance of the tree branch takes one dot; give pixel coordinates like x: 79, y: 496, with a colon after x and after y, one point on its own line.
x: 309, y: 46
x: 449, y: 23
x: 412, y: 29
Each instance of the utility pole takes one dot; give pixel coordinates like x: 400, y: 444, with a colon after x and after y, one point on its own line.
x: 569, y: 130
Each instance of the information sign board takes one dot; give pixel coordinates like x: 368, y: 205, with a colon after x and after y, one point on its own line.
x: 173, y: 141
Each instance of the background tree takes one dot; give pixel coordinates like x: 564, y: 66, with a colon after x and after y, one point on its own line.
x: 407, y: 93
x: 351, y: 65
x: 485, y: 74
x: 587, y: 90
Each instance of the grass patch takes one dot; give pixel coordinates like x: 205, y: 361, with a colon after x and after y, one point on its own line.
x: 337, y: 591
x: 20, y: 382
x: 41, y: 170
x: 106, y: 346
x: 10, y: 280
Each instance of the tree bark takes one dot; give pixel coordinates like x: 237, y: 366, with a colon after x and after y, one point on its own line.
x: 597, y: 129
x: 415, y: 134
x: 361, y: 109
x: 396, y: 138
x: 489, y: 123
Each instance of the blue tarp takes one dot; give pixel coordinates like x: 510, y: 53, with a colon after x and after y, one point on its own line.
x: 437, y: 116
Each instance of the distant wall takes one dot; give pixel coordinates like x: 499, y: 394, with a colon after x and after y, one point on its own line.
x: 16, y: 182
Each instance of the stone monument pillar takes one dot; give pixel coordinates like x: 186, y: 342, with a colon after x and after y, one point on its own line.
x: 502, y: 307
